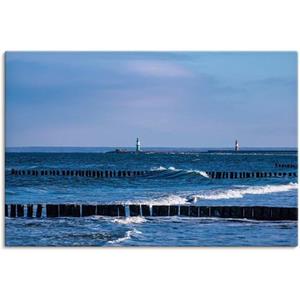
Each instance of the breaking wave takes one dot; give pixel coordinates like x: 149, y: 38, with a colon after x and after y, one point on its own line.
x: 130, y: 220
x: 164, y: 200
x: 128, y: 235
x: 179, y: 172
x: 240, y: 192
x: 236, y: 192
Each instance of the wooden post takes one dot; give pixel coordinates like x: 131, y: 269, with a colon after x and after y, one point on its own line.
x: 39, y: 210
x: 194, y: 211
x: 174, y: 210
x: 145, y: 210
x: 20, y: 210
x: 134, y: 210
x: 203, y: 212
x: 52, y: 210
x: 13, y: 210
x: 29, y: 210
x: 88, y: 210
x: 121, y: 212
x: 184, y: 211
x: 216, y: 212
x: 160, y: 210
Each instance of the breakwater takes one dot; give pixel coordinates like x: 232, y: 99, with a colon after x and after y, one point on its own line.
x: 144, y: 210
x: 286, y: 165
x: 260, y: 174
x: 78, y: 173
x: 135, y: 173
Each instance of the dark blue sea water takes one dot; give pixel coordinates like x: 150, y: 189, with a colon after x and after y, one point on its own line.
x: 177, y: 176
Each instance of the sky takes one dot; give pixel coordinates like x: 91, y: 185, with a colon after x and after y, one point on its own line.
x: 167, y: 99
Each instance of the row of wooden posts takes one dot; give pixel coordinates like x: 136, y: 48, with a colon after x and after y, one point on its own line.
x: 286, y: 165
x: 235, y: 175
x: 130, y: 173
x: 134, y: 210
x: 80, y: 173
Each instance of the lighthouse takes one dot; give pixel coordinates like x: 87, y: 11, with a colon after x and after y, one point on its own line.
x: 138, y: 145
x: 236, y: 146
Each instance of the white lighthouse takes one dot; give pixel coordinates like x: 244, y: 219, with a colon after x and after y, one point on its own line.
x: 138, y: 145
x: 236, y: 146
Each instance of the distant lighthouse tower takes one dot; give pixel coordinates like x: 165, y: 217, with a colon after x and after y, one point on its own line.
x: 138, y: 145
x: 236, y: 146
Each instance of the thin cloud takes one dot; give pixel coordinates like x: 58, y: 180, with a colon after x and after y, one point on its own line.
x: 273, y: 82
x: 158, y: 68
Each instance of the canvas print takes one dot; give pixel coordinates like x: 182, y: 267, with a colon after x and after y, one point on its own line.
x: 151, y: 149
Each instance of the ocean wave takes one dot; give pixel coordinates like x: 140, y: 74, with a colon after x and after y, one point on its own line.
x: 128, y: 235
x: 236, y: 192
x: 240, y: 192
x: 202, y: 173
x: 10, y: 192
x: 172, y: 170
x: 130, y: 220
x: 160, y: 168
x: 164, y: 200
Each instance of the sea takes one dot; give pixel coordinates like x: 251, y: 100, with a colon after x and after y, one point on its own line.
x: 178, y: 176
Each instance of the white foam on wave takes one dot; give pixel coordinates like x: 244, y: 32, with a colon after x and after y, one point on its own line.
x: 239, y: 192
x: 199, y: 172
x: 236, y: 192
x: 128, y: 235
x: 160, y: 168
x: 202, y: 173
x: 130, y: 220
x: 164, y: 200
x: 169, y: 200
x: 174, y: 169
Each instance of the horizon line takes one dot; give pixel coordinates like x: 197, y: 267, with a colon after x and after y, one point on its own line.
x: 118, y: 147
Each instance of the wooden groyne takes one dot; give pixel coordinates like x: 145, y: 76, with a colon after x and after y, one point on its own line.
x: 78, y: 173
x: 136, y: 173
x: 264, y: 213
x: 260, y: 174
x: 286, y: 166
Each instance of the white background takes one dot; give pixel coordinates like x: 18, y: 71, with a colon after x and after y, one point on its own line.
x: 148, y: 273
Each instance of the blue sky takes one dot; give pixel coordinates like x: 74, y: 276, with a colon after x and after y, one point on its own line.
x: 168, y: 99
